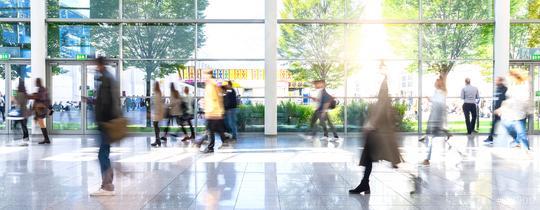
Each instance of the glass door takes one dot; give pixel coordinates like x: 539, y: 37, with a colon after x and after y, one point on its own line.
x: 536, y: 88
x: 70, y: 82
x: 3, y: 99
x: 14, y: 70
x: 66, y: 85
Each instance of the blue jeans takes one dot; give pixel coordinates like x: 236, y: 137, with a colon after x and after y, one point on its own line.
x: 230, y: 121
x: 105, y: 162
x: 518, y: 131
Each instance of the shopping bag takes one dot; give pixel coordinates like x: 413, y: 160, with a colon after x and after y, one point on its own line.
x: 116, y: 129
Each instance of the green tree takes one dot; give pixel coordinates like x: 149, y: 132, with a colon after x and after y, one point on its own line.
x: 443, y: 44
x: 523, y: 36
x: 317, y: 43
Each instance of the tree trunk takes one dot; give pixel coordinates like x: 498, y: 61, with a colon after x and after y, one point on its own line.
x: 147, y: 98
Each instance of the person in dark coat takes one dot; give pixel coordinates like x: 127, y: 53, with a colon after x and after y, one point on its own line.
x: 380, y: 138
x: 500, y: 96
x: 107, y: 107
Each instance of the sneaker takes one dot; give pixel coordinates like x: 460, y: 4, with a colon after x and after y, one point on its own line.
x: 422, y: 139
x: 206, y: 151
x: 24, y: 144
x: 488, y: 141
x: 102, y: 192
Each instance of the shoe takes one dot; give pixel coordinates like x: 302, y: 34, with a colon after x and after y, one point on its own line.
x: 44, y: 142
x: 362, y: 188
x: 186, y: 138
x: 102, y: 192
x: 24, y: 144
x: 426, y: 163
x: 156, y: 143
x: 174, y: 135
x: 206, y: 151
x: 163, y: 138
x: 488, y: 141
x: 422, y: 139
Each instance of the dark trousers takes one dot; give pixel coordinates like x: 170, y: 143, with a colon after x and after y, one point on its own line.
x: 23, y: 127
x: 215, y: 126
x: 468, y: 110
x: 156, y: 129
x: 494, y: 122
x: 105, y: 163
x: 323, y: 119
x: 180, y: 122
x: 368, y: 164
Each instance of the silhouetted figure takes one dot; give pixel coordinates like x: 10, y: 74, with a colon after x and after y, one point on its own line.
x: 470, y: 97
x: 500, y: 96
x: 107, y: 107
x: 380, y: 138
x: 157, y: 113
x: 41, y: 109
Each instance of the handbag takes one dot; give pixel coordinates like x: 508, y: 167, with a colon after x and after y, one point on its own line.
x: 116, y: 129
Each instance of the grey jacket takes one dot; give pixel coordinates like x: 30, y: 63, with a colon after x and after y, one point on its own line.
x: 107, y: 103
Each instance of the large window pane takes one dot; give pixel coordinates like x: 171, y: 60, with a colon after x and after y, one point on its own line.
x: 231, y: 41
x: 165, y: 9
x: 159, y: 41
x: 231, y: 9
x: 66, y: 97
x: 82, y: 9
x: 306, y: 9
x: 311, y: 41
x: 458, y: 10
x: 481, y: 75
x: 377, y: 41
x: 524, y: 41
x: 15, y: 9
x: 67, y: 41
x: 525, y: 9
x: 15, y: 39
x: 457, y: 41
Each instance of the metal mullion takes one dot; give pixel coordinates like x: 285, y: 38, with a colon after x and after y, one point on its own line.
x: 7, y: 101
x: 158, y: 21
x: 84, y: 93
x: 519, y: 21
x: 15, y: 20
x: 380, y: 21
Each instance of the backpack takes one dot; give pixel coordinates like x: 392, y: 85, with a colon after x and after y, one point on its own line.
x: 333, y: 103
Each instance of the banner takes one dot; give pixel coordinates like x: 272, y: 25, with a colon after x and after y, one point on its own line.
x: 190, y: 72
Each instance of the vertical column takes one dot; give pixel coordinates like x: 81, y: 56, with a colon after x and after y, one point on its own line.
x: 270, y: 66
x: 501, y: 50
x: 38, y: 38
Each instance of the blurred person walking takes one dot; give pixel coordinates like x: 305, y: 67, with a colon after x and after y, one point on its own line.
x: 470, y: 97
x: 21, y: 101
x: 380, y: 137
x: 324, y: 101
x: 174, y: 109
x: 42, y: 108
x: 515, y: 109
x: 213, y: 112
x: 500, y: 96
x: 230, y: 101
x: 188, y: 105
x: 107, y: 107
x: 158, y: 110
x: 437, y: 118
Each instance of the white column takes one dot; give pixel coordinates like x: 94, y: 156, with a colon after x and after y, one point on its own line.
x: 270, y: 66
x: 38, y: 33
x: 501, y: 50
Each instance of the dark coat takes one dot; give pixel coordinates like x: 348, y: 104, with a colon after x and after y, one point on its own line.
x: 381, y: 137
x: 107, y: 103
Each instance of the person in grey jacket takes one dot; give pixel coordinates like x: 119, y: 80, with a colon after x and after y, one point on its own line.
x: 470, y: 96
x: 107, y: 107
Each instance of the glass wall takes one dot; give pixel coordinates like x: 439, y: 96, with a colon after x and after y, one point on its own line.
x: 347, y: 43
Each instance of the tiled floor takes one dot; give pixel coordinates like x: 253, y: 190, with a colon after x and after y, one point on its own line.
x: 284, y: 172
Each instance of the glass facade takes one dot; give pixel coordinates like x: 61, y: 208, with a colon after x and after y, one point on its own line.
x: 345, y: 42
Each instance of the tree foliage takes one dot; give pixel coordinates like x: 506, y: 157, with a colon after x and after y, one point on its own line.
x: 317, y: 43
x: 523, y: 36
x: 443, y: 44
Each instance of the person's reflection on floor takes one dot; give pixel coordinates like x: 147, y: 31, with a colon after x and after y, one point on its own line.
x: 215, y: 190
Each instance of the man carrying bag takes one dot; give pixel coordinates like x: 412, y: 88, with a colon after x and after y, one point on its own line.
x: 111, y: 125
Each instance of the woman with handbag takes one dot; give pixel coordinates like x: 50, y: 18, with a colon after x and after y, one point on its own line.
x: 157, y: 113
x: 41, y: 109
